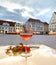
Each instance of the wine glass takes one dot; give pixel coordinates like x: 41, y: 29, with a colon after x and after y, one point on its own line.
x: 26, y: 35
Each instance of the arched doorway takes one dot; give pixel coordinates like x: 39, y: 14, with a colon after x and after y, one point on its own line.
x: 5, y: 32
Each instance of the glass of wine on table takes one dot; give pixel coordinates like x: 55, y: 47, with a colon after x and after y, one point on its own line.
x: 26, y: 35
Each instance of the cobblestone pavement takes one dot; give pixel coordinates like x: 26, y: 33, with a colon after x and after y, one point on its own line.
x: 49, y: 40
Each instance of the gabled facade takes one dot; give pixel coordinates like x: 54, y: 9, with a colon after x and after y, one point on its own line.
x: 52, y: 24
x: 37, y: 25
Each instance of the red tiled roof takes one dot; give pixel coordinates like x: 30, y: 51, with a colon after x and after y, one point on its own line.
x: 46, y: 23
x: 36, y: 20
x: 9, y: 22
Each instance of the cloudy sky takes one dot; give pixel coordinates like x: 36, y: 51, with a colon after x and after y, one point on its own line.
x: 21, y: 10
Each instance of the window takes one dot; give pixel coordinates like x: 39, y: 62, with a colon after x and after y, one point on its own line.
x: 55, y: 28
x: 18, y: 25
x: 16, y: 28
x: 0, y: 27
x: 6, y: 28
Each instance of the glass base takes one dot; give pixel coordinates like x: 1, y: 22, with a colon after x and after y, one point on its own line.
x: 26, y: 54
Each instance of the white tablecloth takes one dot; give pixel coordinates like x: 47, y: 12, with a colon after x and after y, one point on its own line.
x: 42, y: 56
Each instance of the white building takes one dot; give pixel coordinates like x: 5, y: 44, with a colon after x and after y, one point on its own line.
x: 52, y: 24
x: 9, y: 27
x: 37, y: 25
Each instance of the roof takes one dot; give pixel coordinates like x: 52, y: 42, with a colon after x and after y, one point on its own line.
x: 55, y: 12
x: 46, y: 23
x: 36, y: 20
x: 9, y: 22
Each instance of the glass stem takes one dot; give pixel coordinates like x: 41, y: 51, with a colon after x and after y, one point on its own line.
x: 26, y: 60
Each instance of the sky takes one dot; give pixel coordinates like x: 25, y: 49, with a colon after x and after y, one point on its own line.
x: 22, y: 10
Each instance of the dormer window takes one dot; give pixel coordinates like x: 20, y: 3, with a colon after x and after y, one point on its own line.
x: 17, y: 24
x: 6, y: 24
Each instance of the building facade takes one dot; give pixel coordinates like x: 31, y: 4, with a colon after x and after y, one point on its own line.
x: 46, y: 28
x: 9, y: 27
x: 37, y: 25
x: 52, y: 24
x: 19, y: 27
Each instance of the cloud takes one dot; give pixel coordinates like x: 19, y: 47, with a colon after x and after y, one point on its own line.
x: 8, y: 15
x: 2, y: 9
x: 35, y: 3
x: 26, y: 14
x: 11, y: 6
x: 44, y: 11
x: 21, y: 10
x: 15, y: 11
